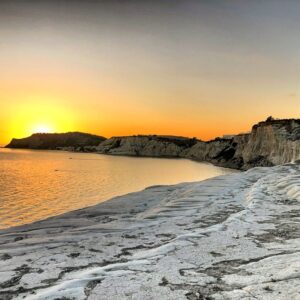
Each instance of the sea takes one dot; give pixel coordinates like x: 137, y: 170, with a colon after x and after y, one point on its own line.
x: 36, y: 184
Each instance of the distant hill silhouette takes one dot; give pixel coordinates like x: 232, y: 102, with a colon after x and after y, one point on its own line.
x: 53, y: 141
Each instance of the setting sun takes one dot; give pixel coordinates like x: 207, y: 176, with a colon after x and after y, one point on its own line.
x: 42, y: 128
x: 38, y: 113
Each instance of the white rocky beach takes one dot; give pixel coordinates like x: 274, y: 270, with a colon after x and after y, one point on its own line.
x: 231, y: 237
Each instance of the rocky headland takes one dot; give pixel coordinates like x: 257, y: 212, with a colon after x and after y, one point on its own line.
x: 269, y: 143
x: 56, y: 141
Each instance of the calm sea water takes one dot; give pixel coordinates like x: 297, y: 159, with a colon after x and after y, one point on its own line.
x: 37, y: 184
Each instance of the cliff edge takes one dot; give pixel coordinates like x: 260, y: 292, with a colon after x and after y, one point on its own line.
x: 271, y: 142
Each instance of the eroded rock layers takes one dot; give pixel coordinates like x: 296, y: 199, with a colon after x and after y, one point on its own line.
x: 269, y: 143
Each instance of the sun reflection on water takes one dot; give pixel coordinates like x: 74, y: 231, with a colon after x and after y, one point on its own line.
x: 39, y: 184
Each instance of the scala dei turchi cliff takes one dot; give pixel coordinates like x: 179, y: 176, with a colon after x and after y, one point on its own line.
x: 231, y: 237
x: 269, y: 143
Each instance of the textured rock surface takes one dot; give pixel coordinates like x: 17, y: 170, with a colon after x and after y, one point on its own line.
x: 69, y: 140
x: 230, y: 237
x: 142, y: 145
x: 219, y: 152
x: 270, y: 143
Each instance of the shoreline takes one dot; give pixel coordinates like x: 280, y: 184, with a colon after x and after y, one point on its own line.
x: 120, y: 191
x: 194, y: 159
x: 229, y: 237
x: 133, y: 156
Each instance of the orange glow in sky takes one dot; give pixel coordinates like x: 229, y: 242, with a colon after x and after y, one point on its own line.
x: 30, y: 115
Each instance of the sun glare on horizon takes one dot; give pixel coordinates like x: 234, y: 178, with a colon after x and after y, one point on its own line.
x: 42, y: 128
x: 40, y: 113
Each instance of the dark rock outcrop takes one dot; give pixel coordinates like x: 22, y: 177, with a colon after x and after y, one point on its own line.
x: 69, y: 140
x: 221, y: 151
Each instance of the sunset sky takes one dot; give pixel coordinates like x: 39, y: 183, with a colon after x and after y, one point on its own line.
x: 191, y: 68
